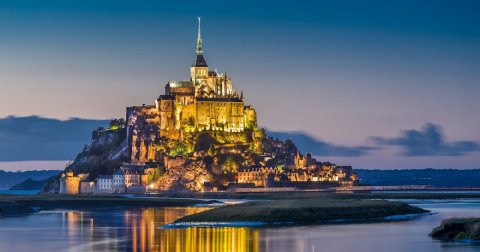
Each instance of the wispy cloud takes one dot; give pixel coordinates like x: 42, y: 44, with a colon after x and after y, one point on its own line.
x: 317, y: 147
x: 428, y: 141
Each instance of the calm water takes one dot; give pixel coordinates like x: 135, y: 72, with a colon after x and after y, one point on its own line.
x: 18, y: 192
x: 138, y: 230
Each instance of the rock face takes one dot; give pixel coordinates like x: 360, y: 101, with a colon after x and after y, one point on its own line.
x: 107, y: 150
x: 52, y: 185
x: 188, y: 177
x: 458, y: 229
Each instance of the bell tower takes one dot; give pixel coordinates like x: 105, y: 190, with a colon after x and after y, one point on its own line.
x: 199, y: 69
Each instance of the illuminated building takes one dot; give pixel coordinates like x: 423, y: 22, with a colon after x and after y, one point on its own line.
x: 70, y: 184
x: 208, y: 101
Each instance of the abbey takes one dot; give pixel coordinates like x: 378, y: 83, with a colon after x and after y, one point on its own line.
x: 208, y: 101
x: 197, y: 136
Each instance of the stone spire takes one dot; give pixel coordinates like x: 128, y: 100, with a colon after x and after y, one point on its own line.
x: 199, y: 59
x: 199, y: 39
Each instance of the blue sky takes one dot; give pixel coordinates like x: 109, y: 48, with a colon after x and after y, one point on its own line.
x: 344, y: 72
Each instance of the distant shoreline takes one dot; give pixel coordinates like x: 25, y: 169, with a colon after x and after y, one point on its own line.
x: 27, y: 204
x: 14, y: 205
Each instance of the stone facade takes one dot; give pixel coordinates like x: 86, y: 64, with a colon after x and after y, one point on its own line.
x: 70, y: 184
x: 103, y: 184
x: 320, y: 172
x: 255, y: 175
x: 87, y: 187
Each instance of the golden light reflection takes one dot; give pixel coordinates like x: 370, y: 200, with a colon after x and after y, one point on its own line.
x: 139, y: 230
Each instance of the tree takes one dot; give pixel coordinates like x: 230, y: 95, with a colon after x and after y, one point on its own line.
x: 204, y: 141
x: 116, y: 124
x: 291, y: 147
x: 178, y: 149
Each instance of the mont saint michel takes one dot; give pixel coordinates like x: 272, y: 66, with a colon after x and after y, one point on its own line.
x: 239, y: 126
x: 199, y: 135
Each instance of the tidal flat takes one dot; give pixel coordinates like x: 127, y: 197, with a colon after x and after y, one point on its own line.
x: 304, y: 212
x: 274, y: 207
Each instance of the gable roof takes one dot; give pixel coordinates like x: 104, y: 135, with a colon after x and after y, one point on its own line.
x: 105, y: 177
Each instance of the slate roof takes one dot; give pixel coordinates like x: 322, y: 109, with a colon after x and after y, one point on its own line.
x: 166, y: 97
x: 200, y: 61
x: 220, y: 99
x: 105, y: 177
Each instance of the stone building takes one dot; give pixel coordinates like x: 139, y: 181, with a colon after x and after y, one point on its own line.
x: 255, y: 175
x: 127, y: 176
x: 208, y: 101
x: 304, y: 161
x: 103, y: 184
x: 87, y: 187
x: 118, y: 183
x: 262, y: 176
x: 70, y: 184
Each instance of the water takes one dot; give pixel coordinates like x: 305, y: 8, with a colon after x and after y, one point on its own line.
x: 139, y: 230
x: 19, y: 192
x: 473, y: 191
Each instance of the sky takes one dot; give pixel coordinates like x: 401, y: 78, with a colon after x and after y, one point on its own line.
x: 394, y: 82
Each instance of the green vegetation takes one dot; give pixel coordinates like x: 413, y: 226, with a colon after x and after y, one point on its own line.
x: 205, y: 141
x: 305, y: 211
x: 95, y: 159
x: 116, y: 124
x: 178, y: 148
x: 458, y: 229
x: 230, y: 162
x: 155, y: 174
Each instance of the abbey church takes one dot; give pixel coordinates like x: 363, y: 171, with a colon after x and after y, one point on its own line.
x: 208, y: 101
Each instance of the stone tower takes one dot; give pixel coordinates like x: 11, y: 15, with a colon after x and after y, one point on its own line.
x: 199, y: 69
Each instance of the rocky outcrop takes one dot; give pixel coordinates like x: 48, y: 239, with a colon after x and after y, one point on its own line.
x: 52, y: 185
x: 106, y: 152
x: 458, y: 229
x: 188, y: 177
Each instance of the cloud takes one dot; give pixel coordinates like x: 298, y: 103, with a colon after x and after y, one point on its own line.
x: 316, y: 147
x: 37, y: 138
x: 429, y: 141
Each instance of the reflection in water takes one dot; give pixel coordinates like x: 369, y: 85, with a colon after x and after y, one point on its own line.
x: 138, y: 230
x: 119, y: 229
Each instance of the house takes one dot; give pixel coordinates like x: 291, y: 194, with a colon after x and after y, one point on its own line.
x: 103, y: 184
x: 118, y: 183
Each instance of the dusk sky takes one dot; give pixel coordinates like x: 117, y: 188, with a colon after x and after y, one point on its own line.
x: 348, y: 73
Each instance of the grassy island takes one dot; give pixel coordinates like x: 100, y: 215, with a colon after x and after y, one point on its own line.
x: 305, y: 211
x: 458, y: 229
